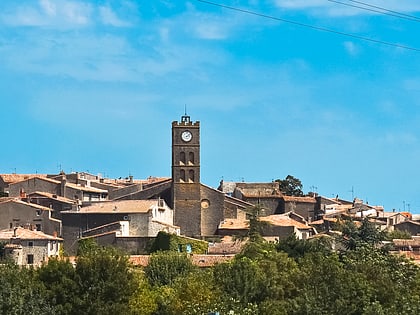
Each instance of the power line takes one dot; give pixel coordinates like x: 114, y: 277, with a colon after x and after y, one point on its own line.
x: 318, y: 28
x: 387, y: 10
x: 378, y: 10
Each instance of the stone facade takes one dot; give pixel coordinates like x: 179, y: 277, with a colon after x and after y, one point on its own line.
x: 27, y: 247
x: 135, y: 218
x: 186, y: 187
x: 17, y: 213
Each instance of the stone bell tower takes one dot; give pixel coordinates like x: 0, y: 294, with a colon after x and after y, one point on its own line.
x: 186, y: 175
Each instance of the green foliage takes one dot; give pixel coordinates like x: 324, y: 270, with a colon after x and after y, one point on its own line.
x: 144, y: 299
x: 255, y: 225
x: 242, y: 279
x: 398, y: 234
x: 2, y: 252
x: 297, y: 248
x: 165, y: 241
x: 291, y: 186
x: 291, y: 277
x: 366, y: 234
x: 105, y: 281
x: 20, y: 292
x: 61, y: 286
x: 165, y: 267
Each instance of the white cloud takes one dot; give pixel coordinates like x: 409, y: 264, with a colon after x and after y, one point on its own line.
x: 49, y: 7
x: 210, y: 31
x: 351, y: 48
x: 109, y: 17
x: 49, y: 13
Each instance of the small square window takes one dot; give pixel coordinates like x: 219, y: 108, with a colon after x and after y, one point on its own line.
x: 30, y: 244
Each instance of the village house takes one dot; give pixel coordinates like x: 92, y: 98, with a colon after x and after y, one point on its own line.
x: 128, y: 224
x: 29, y: 247
x: 80, y: 192
x: 273, y: 226
x: 17, y: 213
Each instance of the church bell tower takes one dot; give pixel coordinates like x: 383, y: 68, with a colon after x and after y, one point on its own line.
x: 186, y: 175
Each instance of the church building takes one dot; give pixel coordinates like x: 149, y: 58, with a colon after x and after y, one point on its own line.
x: 198, y: 209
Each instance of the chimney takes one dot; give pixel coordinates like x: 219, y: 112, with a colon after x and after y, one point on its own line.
x: 63, y: 186
x: 131, y: 179
x: 14, y: 232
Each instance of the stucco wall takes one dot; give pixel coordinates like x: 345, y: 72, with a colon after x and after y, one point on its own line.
x: 212, y: 215
x: 32, y: 185
x: 14, y: 214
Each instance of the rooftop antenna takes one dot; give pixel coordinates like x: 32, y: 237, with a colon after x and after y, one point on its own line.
x: 185, y: 118
x: 352, y: 193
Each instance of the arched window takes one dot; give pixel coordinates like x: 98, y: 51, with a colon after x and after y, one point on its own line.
x: 182, y: 175
x: 182, y: 158
x: 191, y: 158
x: 191, y: 176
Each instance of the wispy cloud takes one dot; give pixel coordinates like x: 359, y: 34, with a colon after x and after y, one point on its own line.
x: 109, y: 17
x: 49, y: 13
x: 63, y: 14
x: 351, y: 48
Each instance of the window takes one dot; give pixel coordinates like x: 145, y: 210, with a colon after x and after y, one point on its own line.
x: 191, y: 176
x: 30, y: 244
x: 38, y: 227
x: 191, y: 158
x: 182, y: 158
x: 38, y: 213
x: 182, y: 175
x: 30, y: 259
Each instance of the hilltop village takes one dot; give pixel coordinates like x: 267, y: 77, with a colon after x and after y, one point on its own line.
x: 46, y: 215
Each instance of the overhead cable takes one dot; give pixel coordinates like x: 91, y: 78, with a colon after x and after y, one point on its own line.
x: 318, y: 28
x: 378, y: 10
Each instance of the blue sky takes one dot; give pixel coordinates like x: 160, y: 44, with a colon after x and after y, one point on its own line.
x: 94, y: 86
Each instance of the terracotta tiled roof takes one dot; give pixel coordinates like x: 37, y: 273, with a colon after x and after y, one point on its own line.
x: 139, y: 260
x: 12, y: 178
x: 299, y: 199
x: 25, y: 234
x: 210, y: 260
x: 234, y: 224
x: 123, y: 206
x: 225, y: 247
x: 86, y: 188
x: 198, y: 260
x: 52, y: 196
x: 260, y: 193
x: 284, y: 220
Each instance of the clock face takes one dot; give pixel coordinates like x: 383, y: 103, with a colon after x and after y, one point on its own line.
x: 186, y: 136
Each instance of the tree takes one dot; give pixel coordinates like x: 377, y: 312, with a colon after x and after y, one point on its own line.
x: 61, y: 286
x: 165, y: 267
x: 297, y: 248
x: 144, y: 299
x: 242, y: 279
x: 291, y: 186
x: 354, y: 236
x: 21, y: 292
x: 106, y: 283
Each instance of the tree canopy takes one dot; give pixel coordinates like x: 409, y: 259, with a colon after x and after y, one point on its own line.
x: 349, y: 274
x: 291, y: 186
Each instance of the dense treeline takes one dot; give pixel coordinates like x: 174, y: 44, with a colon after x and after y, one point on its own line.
x: 347, y: 274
